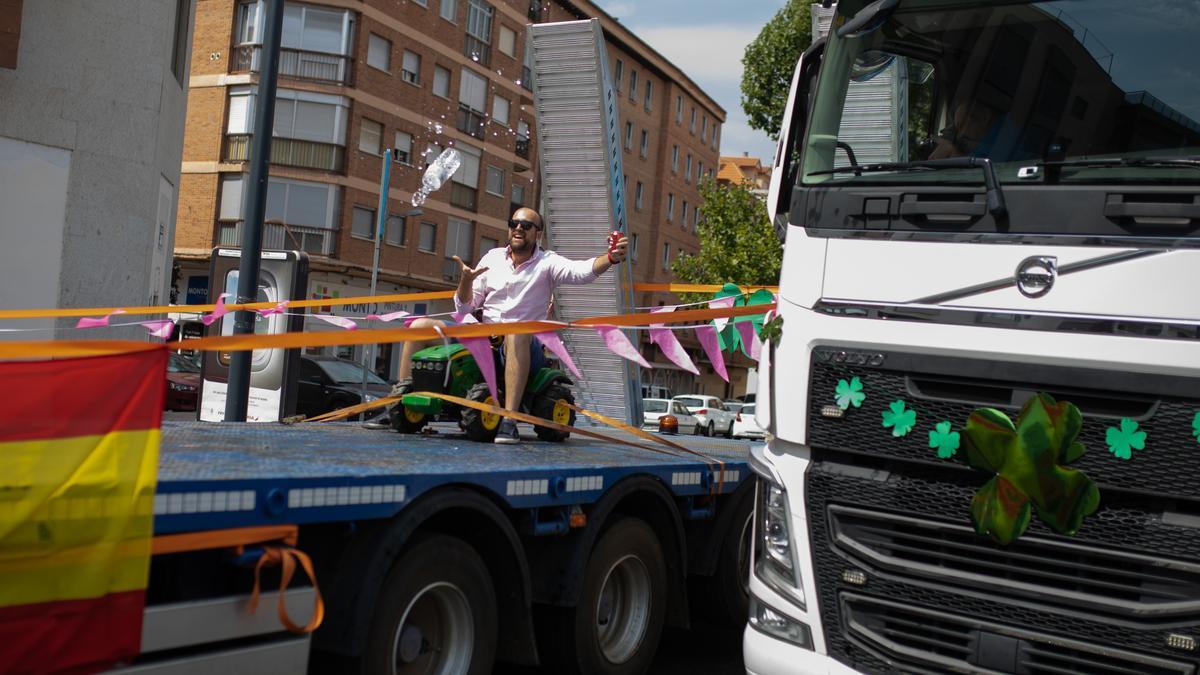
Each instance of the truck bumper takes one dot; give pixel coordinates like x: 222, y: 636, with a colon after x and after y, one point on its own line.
x: 765, y: 655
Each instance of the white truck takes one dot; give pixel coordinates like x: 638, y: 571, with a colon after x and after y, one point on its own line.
x: 1027, y: 240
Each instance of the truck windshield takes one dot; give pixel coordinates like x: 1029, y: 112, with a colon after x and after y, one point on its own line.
x: 1026, y: 85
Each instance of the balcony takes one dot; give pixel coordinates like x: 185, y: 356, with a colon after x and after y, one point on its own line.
x: 289, y: 152
x: 522, y: 148
x: 470, y: 122
x: 277, y: 236
x: 297, y: 63
x: 527, y: 78
x: 463, y: 196
x: 477, y: 50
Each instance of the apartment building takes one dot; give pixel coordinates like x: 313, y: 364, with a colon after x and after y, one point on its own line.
x: 361, y: 76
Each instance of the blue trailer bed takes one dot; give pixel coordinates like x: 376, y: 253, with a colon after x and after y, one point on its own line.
x: 215, y: 476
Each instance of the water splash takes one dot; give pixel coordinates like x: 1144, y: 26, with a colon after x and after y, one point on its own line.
x: 440, y: 170
x: 438, y: 128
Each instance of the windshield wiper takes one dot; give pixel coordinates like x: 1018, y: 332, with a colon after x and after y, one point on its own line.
x: 1193, y: 162
x: 995, y: 198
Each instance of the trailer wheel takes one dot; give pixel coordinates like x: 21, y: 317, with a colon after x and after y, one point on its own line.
x: 550, y: 404
x: 480, y: 426
x: 403, y: 420
x: 615, y: 628
x: 436, y: 614
x: 727, y: 591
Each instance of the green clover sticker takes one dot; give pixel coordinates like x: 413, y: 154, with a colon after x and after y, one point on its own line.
x: 849, y: 393
x: 1122, y: 442
x: 943, y: 440
x: 1196, y: 427
x: 900, y: 420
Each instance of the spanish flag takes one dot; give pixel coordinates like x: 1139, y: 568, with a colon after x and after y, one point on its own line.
x: 78, y: 461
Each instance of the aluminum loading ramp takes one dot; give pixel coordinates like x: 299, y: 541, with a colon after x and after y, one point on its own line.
x: 582, y: 197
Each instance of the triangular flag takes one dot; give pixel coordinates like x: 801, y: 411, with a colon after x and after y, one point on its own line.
x: 481, y: 350
x: 620, y: 345
x: 89, y: 322
x: 279, y: 308
x: 218, y: 312
x: 348, y: 324
x: 556, y: 347
x: 390, y: 316
x: 669, y: 344
x: 749, y: 337
x: 707, y: 335
x: 159, y: 328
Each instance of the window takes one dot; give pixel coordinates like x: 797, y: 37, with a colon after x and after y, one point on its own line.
x: 394, y: 230
x: 628, y: 135
x: 649, y: 96
x: 379, y: 52
x: 670, y: 206
x: 683, y: 215
x: 459, y: 238
x: 692, y: 127
x: 315, y: 29
x: 300, y: 115
x: 632, y: 85
x: 479, y: 20
x: 423, y: 3
x: 637, y: 199
x: 472, y: 91
x: 500, y: 110
x: 293, y: 202
x: 666, y: 259
x: 370, y: 135
x: 508, y: 41
x: 675, y: 159
x: 687, y: 171
x: 633, y: 247
x: 441, y: 81
x: 645, y: 147
x: 432, y: 151
x: 495, y: 181
x: 618, y: 74
x: 410, y: 71
x: 703, y: 126
x: 713, y: 141
x: 468, y: 170
x: 678, y: 110
x: 449, y: 10
x: 699, y: 170
x: 403, y: 147
x: 428, y: 242
x: 516, y: 197
x: 486, y: 244
x: 362, y: 222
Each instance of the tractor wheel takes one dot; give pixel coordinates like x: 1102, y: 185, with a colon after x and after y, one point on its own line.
x: 480, y: 426
x: 402, y: 420
x: 551, y: 404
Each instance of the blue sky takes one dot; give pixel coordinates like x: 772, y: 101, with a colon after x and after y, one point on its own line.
x: 706, y: 39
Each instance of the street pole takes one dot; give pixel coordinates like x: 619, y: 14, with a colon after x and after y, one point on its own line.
x: 254, y: 209
x: 381, y: 221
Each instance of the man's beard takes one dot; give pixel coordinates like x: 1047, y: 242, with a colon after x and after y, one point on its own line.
x: 522, y: 245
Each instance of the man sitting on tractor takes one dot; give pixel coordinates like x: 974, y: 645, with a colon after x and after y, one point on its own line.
x: 515, y: 283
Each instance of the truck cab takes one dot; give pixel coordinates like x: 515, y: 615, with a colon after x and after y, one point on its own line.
x: 989, y: 209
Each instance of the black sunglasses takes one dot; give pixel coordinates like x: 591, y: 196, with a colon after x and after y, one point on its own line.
x: 526, y: 225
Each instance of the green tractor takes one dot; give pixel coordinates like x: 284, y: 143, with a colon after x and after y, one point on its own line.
x: 546, y: 395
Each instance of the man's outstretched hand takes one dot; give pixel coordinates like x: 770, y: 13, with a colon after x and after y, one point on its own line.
x: 468, y: 273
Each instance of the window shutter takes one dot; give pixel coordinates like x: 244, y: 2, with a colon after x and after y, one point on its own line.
x: 472, y: 91
x: 241, y: 111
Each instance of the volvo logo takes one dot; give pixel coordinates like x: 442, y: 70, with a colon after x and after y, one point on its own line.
x: 1036, y: 274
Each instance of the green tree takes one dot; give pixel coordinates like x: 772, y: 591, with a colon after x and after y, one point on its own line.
x: 737, y: 242
x: 770, y: 61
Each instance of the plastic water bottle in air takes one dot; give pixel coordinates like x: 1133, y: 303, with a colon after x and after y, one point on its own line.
x: 440, y: 170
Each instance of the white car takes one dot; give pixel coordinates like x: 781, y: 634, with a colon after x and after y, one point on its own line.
x: 744, y: 425
x: 655, y: 408
x: 711, y: 412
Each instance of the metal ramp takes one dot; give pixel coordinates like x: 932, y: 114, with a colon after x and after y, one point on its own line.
x: 582, y: 200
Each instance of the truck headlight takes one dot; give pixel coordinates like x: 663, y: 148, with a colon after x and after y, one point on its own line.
x: 775, y: 562
x: 778, y: 625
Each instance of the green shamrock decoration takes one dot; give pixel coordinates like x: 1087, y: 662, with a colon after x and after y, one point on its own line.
x: 1027, y: 462
x: 1122, y: 442
x: 1196, y: 427
x: 849, y: 393
x: 772, y: 331
x: 944, y: 440
x: 900, y: 420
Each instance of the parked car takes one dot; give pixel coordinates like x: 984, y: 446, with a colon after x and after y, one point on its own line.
x: 655, y: 391
x: 183, y: 383
x: 734, y: 406
x: 654, y: 408
x: 327, y: 383
x: 744, y: 425
x: 710, y: 412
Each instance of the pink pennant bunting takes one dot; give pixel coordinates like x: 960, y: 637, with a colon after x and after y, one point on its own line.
x: 620, y: 345
x: 707, y: 335
x: 348, y: 324
x: 669, y: 344
x: 721, y: 303
x: 218, y: 312
x: 749, y: 337
x: 279, y: 308
x: 463, y: 317
x: 390, y: 316
x: 556, y: 347
x: 481, y: 349
x: 159, y: 328
x: 89, y: 322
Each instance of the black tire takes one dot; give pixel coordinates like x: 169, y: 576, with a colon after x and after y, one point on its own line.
x: 401, y: 420
x: 696, y: 429
x: 727, y: 591
x: 544, y: 407
x: 710, y: 430
x: 729, y: 431
x: 437, y: 592
x: 581, y: 640
x: 480, y: 426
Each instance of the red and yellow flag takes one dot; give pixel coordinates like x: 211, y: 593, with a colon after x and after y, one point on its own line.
x: 78, y: 462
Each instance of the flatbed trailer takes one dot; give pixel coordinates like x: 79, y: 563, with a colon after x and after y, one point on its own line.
x: 435, y: 554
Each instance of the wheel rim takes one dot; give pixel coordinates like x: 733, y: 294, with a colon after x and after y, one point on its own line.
x: 623, y: 612
x: 489, y: 420
x: 436, y: 634
x: 413, y: 416
x: 562, y: 412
